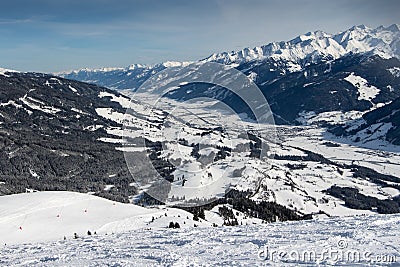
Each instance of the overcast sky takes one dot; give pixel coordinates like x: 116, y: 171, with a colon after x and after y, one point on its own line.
x: 56, y: 35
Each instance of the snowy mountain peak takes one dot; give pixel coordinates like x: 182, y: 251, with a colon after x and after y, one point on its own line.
x: 310, y: 36
x: 136, y: 66
x: 394, y: 28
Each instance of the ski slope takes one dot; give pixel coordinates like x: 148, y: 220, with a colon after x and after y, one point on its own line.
x: 49, y: 216
x: 353, y: 241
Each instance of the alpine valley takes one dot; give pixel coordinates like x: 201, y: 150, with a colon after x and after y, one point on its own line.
x: 335, y: 151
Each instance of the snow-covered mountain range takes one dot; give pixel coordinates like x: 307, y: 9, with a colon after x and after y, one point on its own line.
x: 120, y: 78
x: 306, y: 49
x: 325, y: 60
x: 305, y: 80
x: 66, y: 134
x: 313, y: 47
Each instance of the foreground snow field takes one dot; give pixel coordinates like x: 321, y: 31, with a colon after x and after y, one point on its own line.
x: 50, y: 216
x: 351, y: 241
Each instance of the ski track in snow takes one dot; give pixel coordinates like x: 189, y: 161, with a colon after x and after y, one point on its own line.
x: 371, y: 238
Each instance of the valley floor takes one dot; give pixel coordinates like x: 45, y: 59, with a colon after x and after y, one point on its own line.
x: 351, y: 241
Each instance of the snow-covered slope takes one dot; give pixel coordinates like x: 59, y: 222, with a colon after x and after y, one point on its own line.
x: 51, y: 136
x: 379, y: 125
x: 3, y: 71
x: 49, y: 216
x: 365, y: 91
x: 357, y: 241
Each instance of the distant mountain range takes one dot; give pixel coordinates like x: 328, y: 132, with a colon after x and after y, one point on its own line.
x: 290, y: 56
x: 353, y: 71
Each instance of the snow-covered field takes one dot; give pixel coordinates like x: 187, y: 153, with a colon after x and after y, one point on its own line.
x: 354, y: 241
